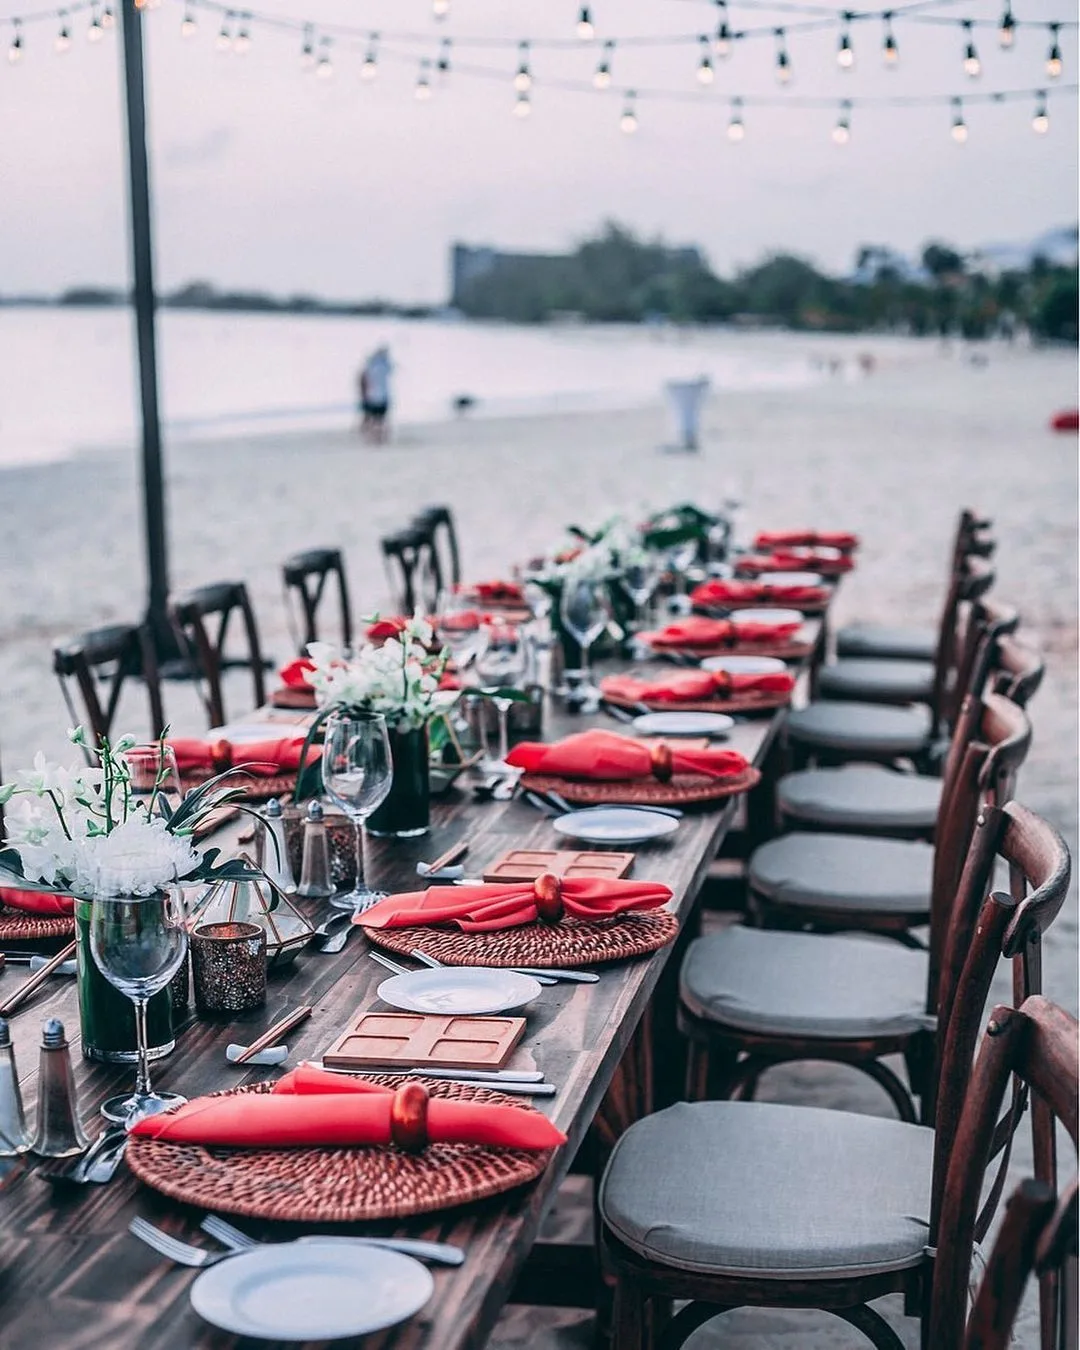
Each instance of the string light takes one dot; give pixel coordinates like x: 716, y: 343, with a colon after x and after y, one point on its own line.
x: 628, y: 122
x: 959, y: 126
x: 370, y: 69
x: 108, y: 19
x: 440, y: 8
x: 242, y: 41
x: 736, y: 131
x: 224, y: 37
x: 1053, y: 56
x: 523, y: 77
x: 1007, y: 27
x: 892, y: 52
x: 187, y: 23
x: 63, y: 37
x: 95, y: 32
x: 722, y: 41
x: 972, y: 64
x: 845, y: 54
x: 522, y: 105
x: 783, y: 61
x: 602, y: 77
x: 15, y: 51
x: 841, y: 133
x: 307, y: 48
x: 705, y: 72
x: 442, y: 65
x: 1040, y: 123
x: 422, y: 92
x: 324, y: 66
x: 585, y: 29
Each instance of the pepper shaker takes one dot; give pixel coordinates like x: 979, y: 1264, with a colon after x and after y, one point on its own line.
x: 14, y: 1136
x: 316, y: 882
x: 59, y: 1132
x: 273, y: 851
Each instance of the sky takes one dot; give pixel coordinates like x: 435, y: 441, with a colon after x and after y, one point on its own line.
x: 266, y: 176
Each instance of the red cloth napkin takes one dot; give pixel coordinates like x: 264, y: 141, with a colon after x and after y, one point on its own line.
x: 295, y: 674
x: 497, y: 592
x: 609, y: 757
x: 264, y: 759
x: 696, y: 631
x: 310, y: 1107
x: 692, y: 686
x: 486, y: 908
x: 389, y: 627
x: 41, y: 903
x: 806, y: 561
x: 767, y: 540
x: 718, y: 593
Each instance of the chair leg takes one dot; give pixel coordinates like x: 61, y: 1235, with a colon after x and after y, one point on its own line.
x: 697, y: 1071
x: 683, y: 1326
x: 872, y: 1325
x: 630, y: 1320
x: 900, y: 1097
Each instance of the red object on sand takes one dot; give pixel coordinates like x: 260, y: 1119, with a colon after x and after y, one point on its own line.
x: 1069, y: 420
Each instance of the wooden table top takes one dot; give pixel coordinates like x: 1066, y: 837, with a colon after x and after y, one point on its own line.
x: 70, y: 1274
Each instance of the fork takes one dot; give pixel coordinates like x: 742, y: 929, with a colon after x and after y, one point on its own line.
x: 439, y: 1253
x: 183, y: 1253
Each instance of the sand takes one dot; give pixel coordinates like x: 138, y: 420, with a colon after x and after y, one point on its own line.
x: 892, y: 456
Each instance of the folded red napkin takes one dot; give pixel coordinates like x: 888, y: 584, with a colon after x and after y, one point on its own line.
x: 264, y: 759
x: 609, y: 757
x: 694, y: 686
x: 497, y: 592
x: 295, y: 674
x: 486, y: 908
x: 719, y: 593
x: 41, y: 903
x: 389, y: 627
x: 310, y: 1107
x: 804, y: 561
x: 697, y: 631
x: 767, y: 540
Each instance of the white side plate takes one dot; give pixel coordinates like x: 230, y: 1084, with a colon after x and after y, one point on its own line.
x: 458, y: 989
x: 790, y: 579
x: 311, y: 1290
x: 683, y: 724
x: 767, y: 616
x: 242, y: 733
x: 744, y: 665
x: 615, y: 825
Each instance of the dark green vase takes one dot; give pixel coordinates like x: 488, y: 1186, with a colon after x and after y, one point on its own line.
x: 106, y: 1016
x: 406, y: 810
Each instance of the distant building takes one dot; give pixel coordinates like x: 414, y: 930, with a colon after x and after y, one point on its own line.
x: 469, y: 265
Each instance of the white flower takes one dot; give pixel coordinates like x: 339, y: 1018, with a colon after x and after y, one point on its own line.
x: 138, y: 857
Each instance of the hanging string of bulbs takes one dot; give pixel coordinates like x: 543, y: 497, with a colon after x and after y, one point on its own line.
x: 317, y: 47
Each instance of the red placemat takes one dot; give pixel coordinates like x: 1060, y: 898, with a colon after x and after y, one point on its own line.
x: 749, y: 701
x: 18, y: 925
x: 684, y: 789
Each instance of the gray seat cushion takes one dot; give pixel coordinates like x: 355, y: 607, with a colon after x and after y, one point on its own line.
x: 861, y: 728
x: 887, y: 642
x: 844, y: 871
x: 878, y: 681
x: 805, y: 984
x: 860, y: 797
x: 762, y: 1190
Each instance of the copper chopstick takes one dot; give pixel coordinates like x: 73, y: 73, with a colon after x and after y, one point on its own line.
x: 452, y: 854
x: 36, y: 981
x: 280, y: 1028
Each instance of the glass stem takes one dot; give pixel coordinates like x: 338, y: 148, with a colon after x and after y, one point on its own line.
x: 503, y: 709
x: 586, y: 674
x: 142, y: 1071
x: 358, y: 826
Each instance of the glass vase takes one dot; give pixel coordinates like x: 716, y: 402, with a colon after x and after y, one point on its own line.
x: 107, y: 1017
x: 405, y: 812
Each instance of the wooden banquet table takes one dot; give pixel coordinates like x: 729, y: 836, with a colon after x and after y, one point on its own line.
x: 70, y: 1274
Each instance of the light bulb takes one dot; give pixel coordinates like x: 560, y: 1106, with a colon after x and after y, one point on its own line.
x: 959, y: 126
x: 722, y: 41
x: 422, y: 92
x: 602, y: 78
x: 972, y: 64
x: 187, y: 24
x: 324, y: 67
x: 523, y: 78
x: 15, y: 51
x: 63, y: 38
x: 705, y: 72
x: 585, y: 29
x: 370, y: 69
x: 841, y: 133
x: 736, y: 131
x: 307, y: 49
x: 95, y: 32
x: 442, y: 65
x: 440, y: 8
x: 892, y: 52
x: 783, y: 61
x: 1040, y: 123
x: 224, y: 37
x: 108, y: 18
x: 522, y: 106
x: 628, y: 122
x: 242, y: 40
x: 1053, y: 56
x: 1007, y: 28
x: 845, y: 55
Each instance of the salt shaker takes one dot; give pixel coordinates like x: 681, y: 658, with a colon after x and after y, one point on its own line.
x: 59, y: 1132
x: 14, y: 1136
x: 275, y: 860
x: 315, y: 880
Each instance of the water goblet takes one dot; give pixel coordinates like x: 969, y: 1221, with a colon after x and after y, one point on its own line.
x: 357, y: 771
x: 585, y: 610
x: 639, y: 580
x: 138, y: 942
x: 502, y: 666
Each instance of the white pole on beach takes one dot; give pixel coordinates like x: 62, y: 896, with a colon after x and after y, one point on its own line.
x: 145, y: 304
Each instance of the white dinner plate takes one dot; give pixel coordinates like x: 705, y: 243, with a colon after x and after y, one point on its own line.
x: 241, y: 733
x: 683, y: 724
x: 768, y: 615
x: 744, y: 665
x: 311, y: 1291
x: 456, y: 989
x: 790, y: 579
x: 615, y: 825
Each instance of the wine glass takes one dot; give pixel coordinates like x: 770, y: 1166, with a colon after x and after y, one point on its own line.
x: 154, y: 777
x: 586, y: 612
x: 357, y: 773
x: 501, y: 666
x: 457, y: 622
x: 138, y: 942
x: 639, y: 579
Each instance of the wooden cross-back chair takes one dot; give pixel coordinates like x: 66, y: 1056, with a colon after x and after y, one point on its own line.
x: 411, y: 569
x: 306, y: 577
x: 732, y: 1204
x: 201, y: 620
x: 437, y: 523
x: 99, y: 663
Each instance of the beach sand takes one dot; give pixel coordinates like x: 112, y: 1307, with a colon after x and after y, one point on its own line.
x: 892, y: 456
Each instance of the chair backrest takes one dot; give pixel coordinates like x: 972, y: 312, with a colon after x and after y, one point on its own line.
x: 410, y: 569
x: 194, y: 615
x: 964, y: 621
x: 1035, y: 1045
x: 438, y: 523
x: 305, y: 576
x: 99, y: 663
x: 1018, y: 670
x: 972, y: 536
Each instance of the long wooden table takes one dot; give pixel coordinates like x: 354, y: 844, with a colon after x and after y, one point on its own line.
x: 72, y: 1278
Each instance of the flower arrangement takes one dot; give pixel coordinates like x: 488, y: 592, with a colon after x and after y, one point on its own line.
x: 82, y: 831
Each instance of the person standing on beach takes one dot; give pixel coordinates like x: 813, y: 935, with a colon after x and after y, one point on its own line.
x: 375, y: 395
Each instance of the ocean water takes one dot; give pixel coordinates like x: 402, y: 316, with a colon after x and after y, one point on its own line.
x: 67, y: 376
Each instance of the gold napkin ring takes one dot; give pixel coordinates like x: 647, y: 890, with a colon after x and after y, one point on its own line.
x: 408, y: 1118
x: 662, y: 764
x: 548, y: 892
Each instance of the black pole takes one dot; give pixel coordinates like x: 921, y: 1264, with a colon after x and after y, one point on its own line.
x: 145, y: 306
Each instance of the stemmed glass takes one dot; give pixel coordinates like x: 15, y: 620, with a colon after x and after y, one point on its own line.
x: 357, y: 773
x: 155, y: 777
x: 458, y: 625
x: 501, y: 666
x: 586, y: 612
x: 138, y: 942
x: 639, y: 579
